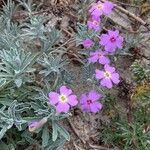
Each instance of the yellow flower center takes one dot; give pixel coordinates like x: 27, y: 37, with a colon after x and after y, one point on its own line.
x: 63, y: 98
x: 99, y: 6
x: 107, y: 74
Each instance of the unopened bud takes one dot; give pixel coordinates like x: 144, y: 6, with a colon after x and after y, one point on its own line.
x: 37, y: 124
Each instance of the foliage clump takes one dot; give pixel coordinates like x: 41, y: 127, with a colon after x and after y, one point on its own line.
x: 34, y: 65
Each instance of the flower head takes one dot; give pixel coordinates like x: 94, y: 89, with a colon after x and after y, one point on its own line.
x: 63, y: 100
x: 107, y: 77
x: 87, y: 43
x: 99, y: 56
x: 112, y: 40
x: 89, y: 102
x: 100, y: 8
x: 34, y: 125
x: 94, y: 23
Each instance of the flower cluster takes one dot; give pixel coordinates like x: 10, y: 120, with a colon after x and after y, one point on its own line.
x: 96, y: 11
x: 63, y: 100
x: 109, y: 43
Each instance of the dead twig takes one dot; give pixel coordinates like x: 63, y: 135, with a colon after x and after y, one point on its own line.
x: 97, y: 147
x: 125, y: 4
x: 67, y: 32
x: 75, y: 131
x: 71, y: 15
x: 76, y: 147
x: 123, y: 27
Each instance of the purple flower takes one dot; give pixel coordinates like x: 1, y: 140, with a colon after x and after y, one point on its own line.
x: 94, y: 24
x: 87, y: 43
x: 64, y: 100
x: 100, y: 8
x: 107, y: 77
x: 34, y: 125
x: 89, y: 102
x: 111, y: 40
x: 99, y: 56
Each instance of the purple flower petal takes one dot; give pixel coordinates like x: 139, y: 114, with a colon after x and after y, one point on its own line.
x: 53, y: 98
x: 94, y: 96
x: 33, y: 124
x: 99, y: 105
x: 97, y: 13
x: 62, y: 107
x: 95, y: 107
x: 93, y: 59
x: 83, y: 99
x: 65, y: 91
x: 72, y: 100
x: 119, y: 42
x: 110, y: 47
x: 104, y: 60
x: 87, y: 43
x: 104, y: 38
x: 85, y: 107
x: 114, y: 34
x: 99, y: 74
x: 106, y: 82
x: 115, y: 78
x: 108, y: 6
x: 93, y: 53
x: 109, y: 68
x: 93, y: 24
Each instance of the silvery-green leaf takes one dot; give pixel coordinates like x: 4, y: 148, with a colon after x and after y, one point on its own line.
x: 55, y: 131
x: 18, y: 82
x: 2, y: 82
x: 45, y: 137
